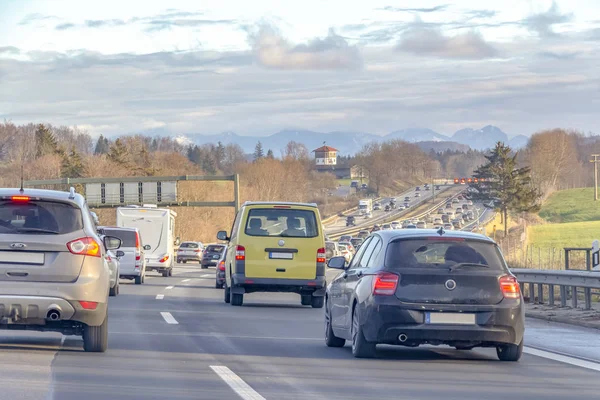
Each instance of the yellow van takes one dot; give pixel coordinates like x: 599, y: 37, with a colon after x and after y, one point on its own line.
x: 275, y: 247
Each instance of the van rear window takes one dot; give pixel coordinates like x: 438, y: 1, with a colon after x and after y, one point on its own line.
x: 215, y: 249
x: 127, y: 237
x: 281, y: 222
x: 39, y: 217
x: 188, y: 245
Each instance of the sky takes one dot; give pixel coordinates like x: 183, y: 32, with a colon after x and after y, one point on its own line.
x: 254, y: 68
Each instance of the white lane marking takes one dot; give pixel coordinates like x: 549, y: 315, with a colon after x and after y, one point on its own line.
x: 169, y: 318
x: 207, y: 276
x: 160, y: 296
x: 185, y: 280
x: 169, y: 288
x: 236, y: 383
x: 563, y: 358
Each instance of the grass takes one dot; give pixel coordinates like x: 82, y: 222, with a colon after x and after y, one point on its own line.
x: 347, y: 182
x: 573, y: 205
x: 571, y: 234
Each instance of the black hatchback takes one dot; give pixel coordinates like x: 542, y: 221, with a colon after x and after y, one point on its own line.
x: 416, y: 287
x: 212, y: 254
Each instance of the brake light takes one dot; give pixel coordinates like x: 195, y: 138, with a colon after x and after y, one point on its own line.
x: 165, y: 258
x: 138, y: 257
x: 197, y: 251
x: 137, y: 241
x: 385, y: 284
x: 222, y: 266
x: 321, y: 255
x: 85, y: 246
x: 509, y: 287
x: 89, y: 305
x: 281, y: 207
x: 20, y: 199
x: 240, y: 253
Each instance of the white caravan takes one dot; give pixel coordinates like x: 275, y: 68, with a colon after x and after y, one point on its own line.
x: 157, y: 227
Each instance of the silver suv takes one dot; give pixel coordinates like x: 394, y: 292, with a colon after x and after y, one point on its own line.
x: 132, y: 260
x: 53, y: 271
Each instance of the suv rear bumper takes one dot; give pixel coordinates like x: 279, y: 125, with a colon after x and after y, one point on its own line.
x: 242, y: 284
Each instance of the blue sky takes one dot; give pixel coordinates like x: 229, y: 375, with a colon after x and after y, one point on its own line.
x: 117, y: 67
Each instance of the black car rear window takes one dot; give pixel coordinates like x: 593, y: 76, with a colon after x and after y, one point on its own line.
x: 215, y: 249
x: 188, y: 245
x: 38, y: 216
x: 442, y: 252
x: 281, y: 222
x: 127, y: 237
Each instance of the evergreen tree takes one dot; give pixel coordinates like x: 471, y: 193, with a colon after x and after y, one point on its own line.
x: 102, y: 146
x: 45, y: 142
x: 145, y: 163
x: 258, y: 151
x: 220, y: 155
x: 506, y: 186
x: 270, y: 154
x: 119, y: 153
x: 72, y: 165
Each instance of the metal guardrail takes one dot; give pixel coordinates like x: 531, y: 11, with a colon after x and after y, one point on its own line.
x: 569, y: 282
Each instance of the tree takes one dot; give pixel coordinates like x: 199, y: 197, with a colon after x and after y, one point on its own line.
x: 270, y: 154
x: 258, y: 151
x: 220, y: 155
x: 102, y: 146
x: 45, y: 141
x: 505, y: 185
x: 119, y: 154
x: 296, y: 151
x: 72, y: 165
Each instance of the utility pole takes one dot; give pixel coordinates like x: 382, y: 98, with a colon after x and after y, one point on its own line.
x: 595, y: 161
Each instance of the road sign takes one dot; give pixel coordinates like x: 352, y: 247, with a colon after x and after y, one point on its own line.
x: 595, y: 255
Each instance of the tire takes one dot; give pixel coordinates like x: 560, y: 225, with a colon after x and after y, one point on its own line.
x: 165, y: 273
x: 306, y: 300
x: 227, y: 293
x: 360, y: 347
x: 170, y: 272
x: 185, y: 261
x: 510, y: 352
x: 317, y: 301
x: 203, y: 266
x: 218, y: 285
x: 178, y: 261
x: 139, y: 280
x: 114, y: 291
x: 330, y: 339
x: 237, y: 299
x: 95, y: 338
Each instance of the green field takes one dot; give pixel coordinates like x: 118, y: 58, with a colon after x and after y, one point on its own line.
x: 573, y: 205
x: 347, y: 182
x: 570, y: 234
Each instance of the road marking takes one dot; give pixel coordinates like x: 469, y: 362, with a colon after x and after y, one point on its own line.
x: 169, y: 318
x: 563, y: 358
x: 236, y: 383
x: 207, y: 276
x: 185, y: 280
x: 169, y: 287
x: 220, y: 335
x: 160, y: 296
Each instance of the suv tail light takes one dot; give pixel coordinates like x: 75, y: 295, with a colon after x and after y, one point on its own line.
x: 509, y: 287
x: 385, y: 284
x: 88, y: 305
x: 321, y: 255
x: 137, y: 241
x: 222, y: 266
x: 240, y: 253
x: 165, y: 258
x: 85, y: 246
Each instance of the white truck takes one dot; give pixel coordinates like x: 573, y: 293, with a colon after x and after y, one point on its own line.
x: 365, y: 206
x: 157, y: 228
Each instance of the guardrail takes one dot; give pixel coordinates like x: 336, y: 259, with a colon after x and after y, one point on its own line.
x: 569, y: 282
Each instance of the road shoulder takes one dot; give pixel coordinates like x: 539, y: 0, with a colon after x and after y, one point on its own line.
x: 565, y: 315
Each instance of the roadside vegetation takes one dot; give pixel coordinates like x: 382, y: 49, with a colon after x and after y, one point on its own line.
x: 573, y: 205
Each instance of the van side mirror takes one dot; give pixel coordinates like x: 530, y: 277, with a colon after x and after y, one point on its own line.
x: 222, y: 235
x: 177, y: 241
x: 147, y: 247
x: 111, y: 242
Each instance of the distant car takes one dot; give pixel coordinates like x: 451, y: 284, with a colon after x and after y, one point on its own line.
x: 406, y: 204
x: 417, y: 194
x: 457, y: 223
x: 357, y: 242
x: 190, y: 251
x: 453, y: 290
x: 368, y: 214
x: 427, y: 188
x: 469, y: 202
x: 350, y: 220
x: 459, y: 198
x: 410, y: 226
x: 212, y: 255
x: 364, y: 186
x: 459, y: 210
x: 388, y: 208
x: 348, y: 245
x: 448, y: 227
x: 417, y: 188
x: 376, y: 207
x: 132, y: 264
x: 386, y: 227
x: 421, y: 225
x: 437, y: 221
x: 354, y: 184
x: 440, y: 210
x: 407, y: 198
x: 396, y: 224
x: 331, y: 249
x: 465, y: 206
x: 455, y: 201
x: 345, y: 238
x: 362, y: 234
x: 220, y: 273
x: 465, y: 217
x: 375, y: 228
x: 438, y: 226
x: 437, y: 187
x: 345, y: 252
x: 448, y: 205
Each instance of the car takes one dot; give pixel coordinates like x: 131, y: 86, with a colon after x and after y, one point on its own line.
x: 393, y: 200
x: 388, y: 208
x: 364, y: 186
x: 376, y: 206
x: 465, y: 217
x: 445, y: 218
x: 448, y: 226
x: 465, y: 206
x: 421, y: 225
x: 345, y: 252
x: 457, y: 223
x: 415, y: 288
x: 470, y: 202
x: 345, y: 238
x: 459, y: 198
x: 212, y: 254
x: 437, y: 221
x: 455, y: 201
x: 437, y: 187
x: 220, y: 273
x: 368, y: 215
x: 406, y: 204
x: 400, y: 207
x: 275, y: 247
x: 190, y: 251
x: 427, y: 188
x: 357, y: 242
x: 354, y: 184
x: 113, y: 264
x: 407, y: 198
x: 396, y: 224
x: 440, y: 210
x: 350, y: 220
x: 450, y: 214
x: 448, y: 205
x: 414, y: 221
x: 331, y: 249
x: 418, y: 188
x: 438, y: 226
x: 417, y: 194
x: 386, y: 227
x: 410, y: 226
x: 362, y: 234
x: 348, y: 245
x: 53, y: 267
x: 375, y: 228
x: 459, y: 210
x: 132, y: 263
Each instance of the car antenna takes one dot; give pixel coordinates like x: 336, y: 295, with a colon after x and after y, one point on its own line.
x: 22, y: 189
x: 441, y: 231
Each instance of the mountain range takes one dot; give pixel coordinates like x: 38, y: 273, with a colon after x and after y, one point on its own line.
x: 349, y: 143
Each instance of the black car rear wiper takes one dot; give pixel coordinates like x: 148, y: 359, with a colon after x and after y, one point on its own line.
x: 37, y: 230
x: 467, y: 264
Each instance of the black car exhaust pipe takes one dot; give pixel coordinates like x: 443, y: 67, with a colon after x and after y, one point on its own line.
x: 53, y: 315
x: 402, y: 338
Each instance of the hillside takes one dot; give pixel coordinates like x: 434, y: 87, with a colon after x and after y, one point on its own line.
x: 573, y: 205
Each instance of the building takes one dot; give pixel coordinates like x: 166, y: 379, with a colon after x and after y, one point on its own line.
x: 325, y: 158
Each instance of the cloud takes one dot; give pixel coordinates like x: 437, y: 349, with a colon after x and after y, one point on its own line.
x: 481, y: 14
x: 36, y: 17
x: 272, y: 50
x: 425, y: 41
x: 441, y: 7
x: 543, y: 23
x: 559, y: 55
x: 64, y: 27
x: 10, y: 50
x: 163, y: 24
x: 103, y: 23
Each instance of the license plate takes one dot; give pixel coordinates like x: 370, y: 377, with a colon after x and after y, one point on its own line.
x: 282, y: 256
x: 216, y: 257
x: 21, y: 257
x: 450, y: 318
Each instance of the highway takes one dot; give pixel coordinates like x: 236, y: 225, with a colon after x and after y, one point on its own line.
x: 175, y: 338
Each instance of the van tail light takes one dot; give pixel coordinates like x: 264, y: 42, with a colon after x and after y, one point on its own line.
x: 385, y: 284
x: 240, y: 253
x: 222, y: 266
x: 165, y: 258
x: 88, y: 305
x: 509, y: 287
x: 137, y: 241
x: 138, y: 257
x: 85, y: 246
x: 321, y: 255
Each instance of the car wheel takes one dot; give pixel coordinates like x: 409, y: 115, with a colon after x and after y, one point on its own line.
x: 113, y: 291
x: 139, y: 280
x: 95, y: 338
x: 203, y: 266
x: 360, y: 347
x: 227, y: 293
x: 185, y: 261
x: 165, y: 273
x: 306, y: 300
x: 510, y: 352
x: 237, y: 299
x: 179, y: 261
x: 317, y: 301
x: 330, y: 339
x: 218, y: 285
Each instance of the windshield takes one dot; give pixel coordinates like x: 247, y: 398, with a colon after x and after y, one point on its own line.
x: 39, y: 217
x: 189, y: 245
x: 215, y: 249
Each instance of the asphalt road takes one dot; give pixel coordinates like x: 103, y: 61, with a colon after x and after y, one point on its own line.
x: 272, y: 348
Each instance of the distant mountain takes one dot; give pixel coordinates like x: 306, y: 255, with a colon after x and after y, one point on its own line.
x: 480, y: 139
x: 413, y: 135
x: 439, y: 146
x: 518, y: 142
